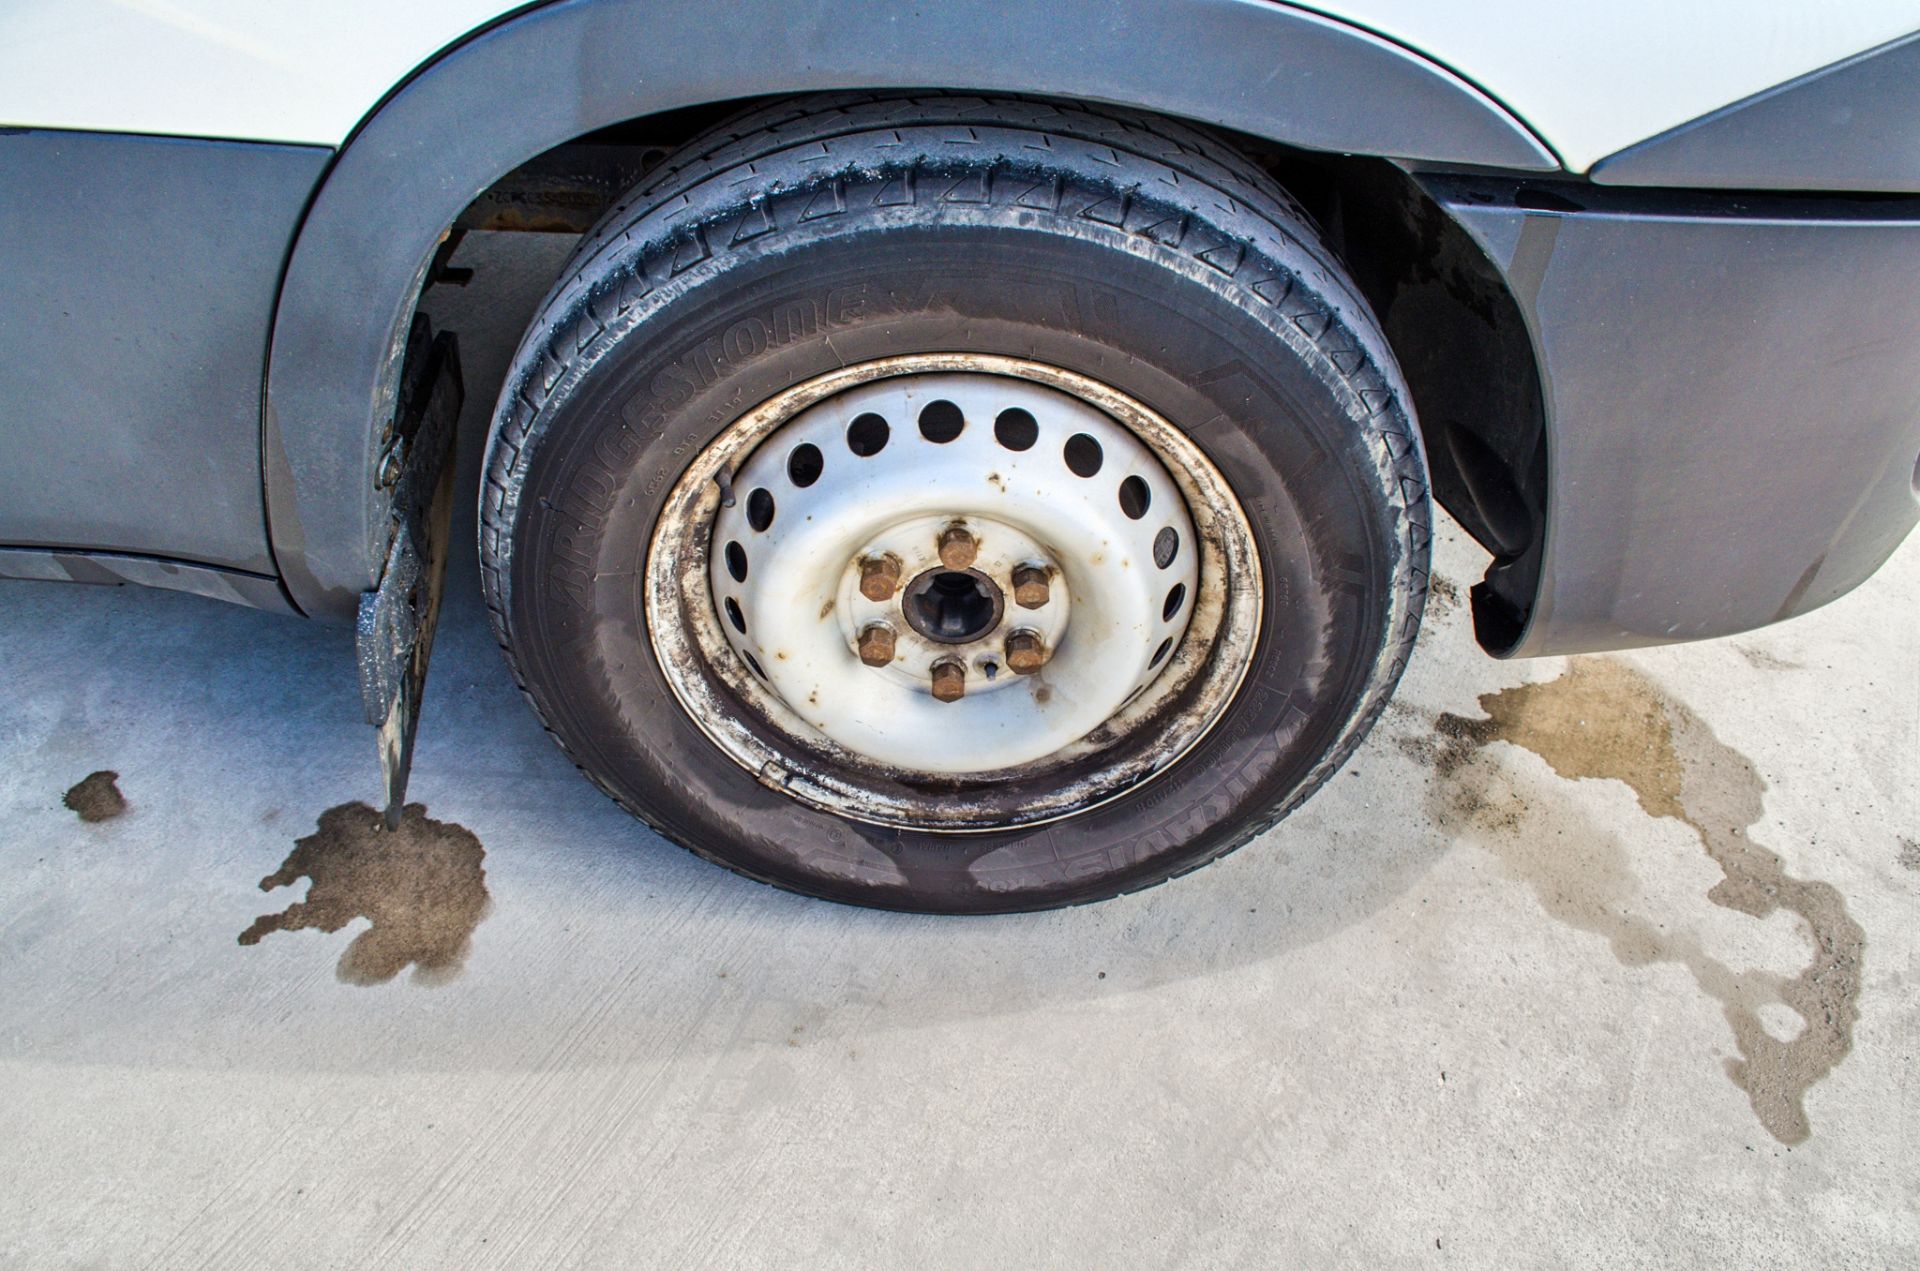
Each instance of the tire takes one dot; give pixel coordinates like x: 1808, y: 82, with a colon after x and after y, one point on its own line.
x: 1128, y: 251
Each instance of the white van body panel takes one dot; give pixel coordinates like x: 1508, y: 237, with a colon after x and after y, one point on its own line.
x: 1589, y: 79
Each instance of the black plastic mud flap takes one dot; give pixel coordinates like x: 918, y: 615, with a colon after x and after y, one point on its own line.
x: 397, y: 618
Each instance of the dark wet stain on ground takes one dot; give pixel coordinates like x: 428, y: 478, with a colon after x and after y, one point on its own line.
x: 422, y: 887
x: 1909, y: 857
x: 1761, y: 660
x: 1605, y: 720
x: 97, y: 797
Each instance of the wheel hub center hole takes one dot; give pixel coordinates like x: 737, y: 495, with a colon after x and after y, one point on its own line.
x: 953, y: 606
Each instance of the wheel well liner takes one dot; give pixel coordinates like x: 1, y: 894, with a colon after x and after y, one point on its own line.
x: 1468, y: 356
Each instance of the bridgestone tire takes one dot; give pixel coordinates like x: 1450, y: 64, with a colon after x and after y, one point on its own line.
x: 1138, y: 252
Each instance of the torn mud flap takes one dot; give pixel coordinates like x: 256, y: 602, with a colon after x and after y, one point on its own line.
x: 397, y: 618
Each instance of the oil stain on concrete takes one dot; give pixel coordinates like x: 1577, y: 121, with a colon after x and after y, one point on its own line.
x: 96, y: 797
x: 422, y: 886
x: 1603, y: 719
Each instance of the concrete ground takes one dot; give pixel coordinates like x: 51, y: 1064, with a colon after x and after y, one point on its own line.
x: 1610, y: 960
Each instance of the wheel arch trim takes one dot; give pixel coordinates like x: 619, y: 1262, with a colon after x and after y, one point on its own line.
x: 568, y: 68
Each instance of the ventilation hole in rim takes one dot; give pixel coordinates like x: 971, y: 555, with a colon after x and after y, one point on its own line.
x: 737, y: 562
x: 1016, y: 429
x: 1134, y: 498
x: 1166, y: 545
x: 867, y: 435
x: 760, y: 509
x: 1160, y: 654
x: 1175, y: 599
x: 941, y: 421
x: 805, y: 464
x: 753, y: 664
x: 1083, y: 455
x: 734, y: 616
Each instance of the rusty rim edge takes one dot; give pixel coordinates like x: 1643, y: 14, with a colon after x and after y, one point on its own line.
x: 1201, y: 679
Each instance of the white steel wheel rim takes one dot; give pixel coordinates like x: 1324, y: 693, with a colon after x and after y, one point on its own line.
x: 789, y: 590
x: 755, y: 605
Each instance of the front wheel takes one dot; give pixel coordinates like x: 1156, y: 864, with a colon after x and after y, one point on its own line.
x: 955, y: 504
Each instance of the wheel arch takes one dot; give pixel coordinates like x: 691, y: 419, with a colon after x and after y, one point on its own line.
x: 554, y: 73
x: 1469, y: 357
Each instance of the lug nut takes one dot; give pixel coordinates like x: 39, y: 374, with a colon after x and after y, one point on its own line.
x: 879, y: 578
x: 1030, y: 587
x: 949, y: 679
x: 1025, y: 652
x: 957, y: 548
x: 876, y: 645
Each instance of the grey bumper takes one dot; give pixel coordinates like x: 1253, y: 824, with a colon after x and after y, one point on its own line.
x: 1732, y: 399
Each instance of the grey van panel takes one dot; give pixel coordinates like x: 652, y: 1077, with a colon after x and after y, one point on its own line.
x: 139, y: 277
x: 1732, y: 394
x: 110, y: 569
x: 1852, y: 126
x: 561, y: 70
